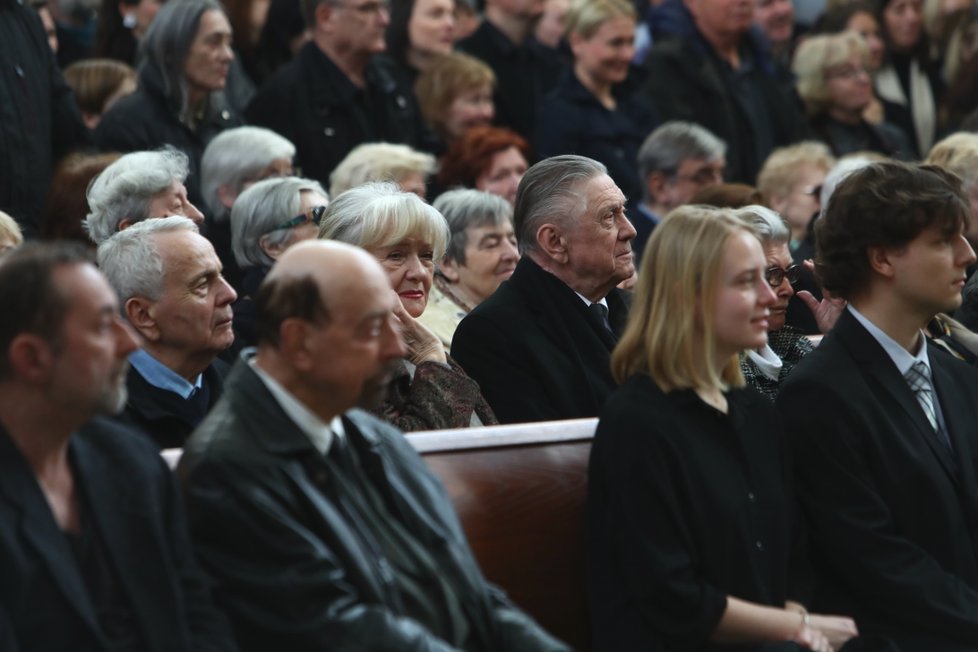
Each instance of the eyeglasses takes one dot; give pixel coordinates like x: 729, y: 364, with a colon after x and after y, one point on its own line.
x: 368, y: 8
x: 314, y: 215
x: 776, y: 275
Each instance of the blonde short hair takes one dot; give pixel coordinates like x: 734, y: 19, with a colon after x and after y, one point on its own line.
x: 9, y: 229
x: 379, y: 162
x: 781, y: 169
x: 958, y: 153
x: 585, y: 17
x: 377, y: 215
x: 817, y: 54
x: 676, y: 289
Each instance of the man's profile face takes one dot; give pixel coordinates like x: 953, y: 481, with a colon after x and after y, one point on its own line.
x: 193, y: 315
x: 90, y: 355
x: 174, y: 201
x: 360, y: 26
x: 599, y: 243
x: 929, y: 272
x: 354, y: 349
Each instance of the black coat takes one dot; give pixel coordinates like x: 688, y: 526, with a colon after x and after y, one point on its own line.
x: 294, y: 570
x: 132, y: 502
x: 147, y: 119
x: 892, y: 516
x: 686, y: 80
x: 572, y: 120
x: 165, y: 416
x: 39, y: 120
x: 524, y: 75
x: 313, y: 104
x: 536, y: 350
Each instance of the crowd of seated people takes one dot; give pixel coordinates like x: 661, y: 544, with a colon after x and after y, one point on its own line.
x: 278, y: 235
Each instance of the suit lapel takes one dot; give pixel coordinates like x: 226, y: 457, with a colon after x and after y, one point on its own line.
x: 19, y: 487
x: 958, y: 418
x: 127, y: 537
x: 891, y: 388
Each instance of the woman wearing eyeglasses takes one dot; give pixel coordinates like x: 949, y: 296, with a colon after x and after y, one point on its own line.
x: 266, y: 219
x: 766, y: 367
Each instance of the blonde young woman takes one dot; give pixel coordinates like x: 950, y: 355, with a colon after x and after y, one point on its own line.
x: 689, y: 513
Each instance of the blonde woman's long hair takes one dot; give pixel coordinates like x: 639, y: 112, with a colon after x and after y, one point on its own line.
x: 670, y: 332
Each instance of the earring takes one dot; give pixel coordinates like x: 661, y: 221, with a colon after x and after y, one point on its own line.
x: 129, y: 21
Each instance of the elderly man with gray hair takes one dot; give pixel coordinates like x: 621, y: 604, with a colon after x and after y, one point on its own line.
x: 676, y: 161
x: 540, y: 346
x: 169, y: 283
x: 136, y: 187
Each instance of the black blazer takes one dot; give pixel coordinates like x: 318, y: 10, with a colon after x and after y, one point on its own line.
x: 536, y: 350
x: 132, y: 502
x: 892, y: 516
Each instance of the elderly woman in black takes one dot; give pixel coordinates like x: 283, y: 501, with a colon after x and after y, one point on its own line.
x: 427, y: 390
x: 689, y: 503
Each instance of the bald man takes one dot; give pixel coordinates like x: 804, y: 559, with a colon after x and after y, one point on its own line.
x: 320, y: 525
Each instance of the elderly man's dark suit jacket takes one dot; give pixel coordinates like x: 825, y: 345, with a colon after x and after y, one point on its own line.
x: 536, y: 350
x: 893, y: 517
x: 132, y: 502
x: 294, y: 570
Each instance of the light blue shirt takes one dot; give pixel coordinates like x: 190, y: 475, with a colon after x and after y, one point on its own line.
x: 159, y: 375
x: 900, y: 356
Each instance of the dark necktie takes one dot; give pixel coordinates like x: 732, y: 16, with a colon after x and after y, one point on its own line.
x: 601, y: 312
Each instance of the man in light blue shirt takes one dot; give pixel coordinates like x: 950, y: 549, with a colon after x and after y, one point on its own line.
x: 169, y: 282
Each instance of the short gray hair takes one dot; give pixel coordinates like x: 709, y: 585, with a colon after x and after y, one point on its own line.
x: 667, y: 147
x: 124, y: 189
x: 235, y: 157
x: 167, y: 43
x: 131, y: 259
x: 550, y: 191
x: 769, y: 227
x: 261, y: 208
x: 379, y: 162
x: 465, y: 207
x: 380, y: 214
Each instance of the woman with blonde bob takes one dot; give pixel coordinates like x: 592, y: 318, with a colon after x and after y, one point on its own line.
x: 427, y: 390
x: 689, y: 511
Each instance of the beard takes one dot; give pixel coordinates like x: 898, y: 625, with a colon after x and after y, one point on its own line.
x: 375, y: 389
x: 113, y: 397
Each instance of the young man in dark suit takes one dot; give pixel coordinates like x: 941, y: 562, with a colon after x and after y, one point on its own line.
x: 94, y: 553
x: 883, y: 426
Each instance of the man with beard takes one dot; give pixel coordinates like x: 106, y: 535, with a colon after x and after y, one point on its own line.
x: 321, y: 526
x: 169, y: 281
x: 94, y: 553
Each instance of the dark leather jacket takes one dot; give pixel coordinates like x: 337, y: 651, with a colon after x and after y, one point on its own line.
x: 292, y: 571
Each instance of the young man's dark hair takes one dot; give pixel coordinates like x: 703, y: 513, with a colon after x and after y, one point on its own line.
x: 882, y: 205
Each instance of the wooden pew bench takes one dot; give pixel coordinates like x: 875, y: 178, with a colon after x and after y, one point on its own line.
x: 520, y: 493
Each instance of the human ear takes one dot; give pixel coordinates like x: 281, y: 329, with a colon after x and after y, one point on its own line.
x: 449, y: 269
x: 139, y: 311
x: 30, y: 357
x: 552, y: 243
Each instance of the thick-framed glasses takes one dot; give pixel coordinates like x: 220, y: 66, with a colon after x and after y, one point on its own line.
x: 776, y: 275
x: 314, y: 215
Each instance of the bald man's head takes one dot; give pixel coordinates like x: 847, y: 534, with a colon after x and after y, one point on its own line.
x: 309, y: 279
x: 326, y: 325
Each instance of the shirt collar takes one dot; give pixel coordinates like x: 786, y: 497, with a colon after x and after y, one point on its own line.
x: 900, y: 356
x: 319, y: 432
x: 159, y: 375
x: 589, y: 303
